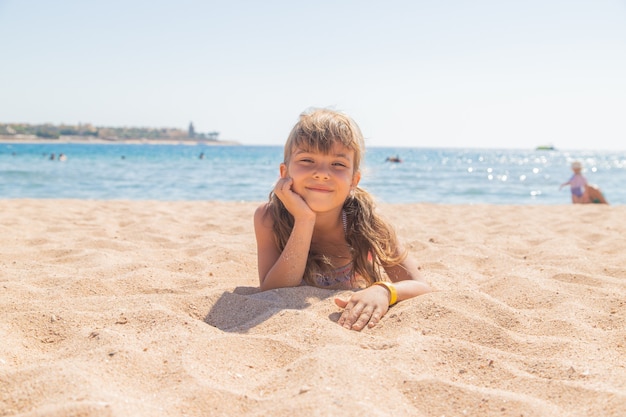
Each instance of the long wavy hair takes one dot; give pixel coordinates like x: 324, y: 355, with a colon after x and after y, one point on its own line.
x: 372, y: 241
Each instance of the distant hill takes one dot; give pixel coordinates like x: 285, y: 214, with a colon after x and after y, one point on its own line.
x: 50, y: 131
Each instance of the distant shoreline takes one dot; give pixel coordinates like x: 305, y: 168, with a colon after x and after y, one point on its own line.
x: 113, y: 141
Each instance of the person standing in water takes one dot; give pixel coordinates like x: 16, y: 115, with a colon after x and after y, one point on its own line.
x: 582, y: 191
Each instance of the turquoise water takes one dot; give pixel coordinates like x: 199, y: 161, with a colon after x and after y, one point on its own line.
x: 247, y: 173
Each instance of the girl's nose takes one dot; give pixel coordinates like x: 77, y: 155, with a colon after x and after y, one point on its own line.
x: 321, y: 172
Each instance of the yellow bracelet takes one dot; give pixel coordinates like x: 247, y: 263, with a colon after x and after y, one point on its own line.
x: 392, y: 290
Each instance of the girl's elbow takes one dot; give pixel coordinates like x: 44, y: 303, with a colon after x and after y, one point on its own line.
x: 267, y: 284
x: 264, y: 285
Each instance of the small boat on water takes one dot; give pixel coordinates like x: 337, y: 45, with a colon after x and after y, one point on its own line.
x: 545, y: 148
x: 393, y: 159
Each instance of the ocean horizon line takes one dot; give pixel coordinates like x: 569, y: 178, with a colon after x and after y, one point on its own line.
x: 4, y: 139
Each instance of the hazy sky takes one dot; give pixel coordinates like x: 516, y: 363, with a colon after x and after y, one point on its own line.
x: 473, y: 73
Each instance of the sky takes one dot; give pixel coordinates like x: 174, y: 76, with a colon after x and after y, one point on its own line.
x: 414, y: 73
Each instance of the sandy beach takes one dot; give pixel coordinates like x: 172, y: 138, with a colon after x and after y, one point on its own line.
x: 145, y: 308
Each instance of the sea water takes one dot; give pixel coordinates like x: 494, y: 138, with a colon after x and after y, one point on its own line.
x: 247, y: 173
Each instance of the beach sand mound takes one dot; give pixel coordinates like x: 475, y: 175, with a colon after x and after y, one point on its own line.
x: 118, y: 308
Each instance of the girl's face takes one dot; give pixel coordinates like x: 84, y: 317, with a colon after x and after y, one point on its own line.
x: 324, y: 181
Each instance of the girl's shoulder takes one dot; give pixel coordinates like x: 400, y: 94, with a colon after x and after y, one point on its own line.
x: 263, y: 210
x: 263, y: 215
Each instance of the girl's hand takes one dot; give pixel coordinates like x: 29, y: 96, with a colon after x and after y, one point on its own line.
x: 365, y: 307
x: 293, y: 202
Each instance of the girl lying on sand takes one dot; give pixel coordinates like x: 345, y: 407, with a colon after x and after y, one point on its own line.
x: 319, y: 228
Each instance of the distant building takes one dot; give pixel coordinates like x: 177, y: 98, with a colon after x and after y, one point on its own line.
x: 192, y: 131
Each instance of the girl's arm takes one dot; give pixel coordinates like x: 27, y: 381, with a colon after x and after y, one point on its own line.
x: 286, y: 269
x: 368, y: 306
x: 407, y: 279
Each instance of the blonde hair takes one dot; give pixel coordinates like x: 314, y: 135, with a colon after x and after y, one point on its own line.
x: 372, y: 241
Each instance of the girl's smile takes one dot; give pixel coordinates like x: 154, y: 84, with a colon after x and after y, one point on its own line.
x: 320, y: 189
